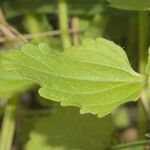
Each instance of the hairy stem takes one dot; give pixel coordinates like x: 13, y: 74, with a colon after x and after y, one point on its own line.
x: 143, y: 40
x: 63, y: 24
x: 143, y: 47
x: 8, y: 125
x: 36, y: 24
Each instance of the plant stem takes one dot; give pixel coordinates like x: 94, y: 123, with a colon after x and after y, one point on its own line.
x: 143, y: 47
x: 36, y: 24
x: 8, y: 125
x: 133, y: 144
x: 63, y: 24
x: 143, y: 40
x: 32, y: 24
x: 75, y: 23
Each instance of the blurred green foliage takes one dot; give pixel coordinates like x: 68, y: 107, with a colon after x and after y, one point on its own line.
x: 96, y: 19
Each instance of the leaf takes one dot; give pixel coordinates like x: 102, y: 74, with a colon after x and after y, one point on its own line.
x: 75, y: 7
x: 95, y: 76
x: 68, y: 130
x: 131, y: 4
x: 11, y: 83
x: 27, y: 125
x: 134, y: 148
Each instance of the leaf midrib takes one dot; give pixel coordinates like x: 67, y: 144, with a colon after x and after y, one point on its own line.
x: 81, y: 62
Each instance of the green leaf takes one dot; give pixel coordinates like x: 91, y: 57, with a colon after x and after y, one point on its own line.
x: 131, y: 4
x: 68, y: 130
x: 75, y: 7
x: 95, y: 76
x: 11, y: 83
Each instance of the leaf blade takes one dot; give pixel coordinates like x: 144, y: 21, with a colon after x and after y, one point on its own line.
x: 131, y: 4
x: 91, y: 132
x: 80, y: 78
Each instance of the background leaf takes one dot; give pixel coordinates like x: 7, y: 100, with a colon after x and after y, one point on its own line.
x: 131, y: 4
x: 70, y: 132
x: 11, y: 83
x: 75, y: 7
